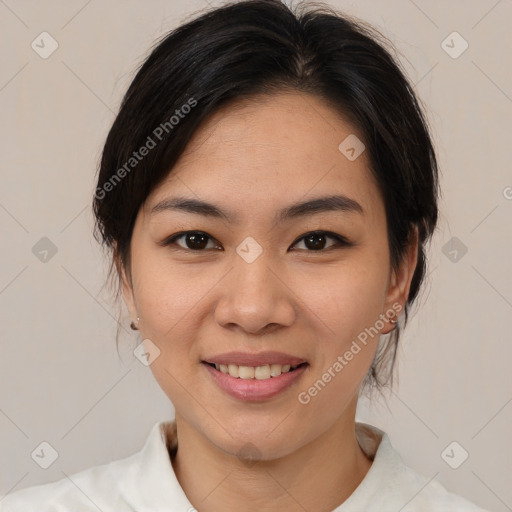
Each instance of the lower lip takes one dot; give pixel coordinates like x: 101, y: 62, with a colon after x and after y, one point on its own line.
x: 253, y: 389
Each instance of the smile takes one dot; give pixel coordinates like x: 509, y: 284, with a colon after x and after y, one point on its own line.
x: 254, y: 383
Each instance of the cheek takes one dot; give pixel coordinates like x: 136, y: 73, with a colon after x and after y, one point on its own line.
x: 345, y: 317
x: 346, y: 312
x: 171, y: 301
x: 168, y: 295
x: 350, y: 298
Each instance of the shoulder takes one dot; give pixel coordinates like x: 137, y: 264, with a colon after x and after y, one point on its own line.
x: 142, y: 482
x: 97, y: 488
x: 390, y: 485
x: 420, y: 494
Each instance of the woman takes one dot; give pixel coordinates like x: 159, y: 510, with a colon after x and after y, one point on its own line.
x: 267, y: 190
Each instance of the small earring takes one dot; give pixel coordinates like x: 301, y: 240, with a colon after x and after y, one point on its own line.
x: 393, y: 322
x: 133, y: 326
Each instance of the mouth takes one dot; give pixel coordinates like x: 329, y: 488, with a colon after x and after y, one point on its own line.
x: 255, y: 383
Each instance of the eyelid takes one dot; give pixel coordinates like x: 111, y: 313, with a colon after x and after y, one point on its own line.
x: 341, y: 241
x: 172, y: 239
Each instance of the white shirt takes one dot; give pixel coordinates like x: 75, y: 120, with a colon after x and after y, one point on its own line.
x: 146, y: 482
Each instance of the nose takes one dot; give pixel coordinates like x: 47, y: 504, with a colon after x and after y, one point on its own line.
x: 255, y: 298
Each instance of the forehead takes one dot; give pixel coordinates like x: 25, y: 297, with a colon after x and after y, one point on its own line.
x: 270, y: 150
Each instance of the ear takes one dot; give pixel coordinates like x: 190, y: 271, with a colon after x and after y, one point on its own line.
x: 125, y: 284
x: 400, y: 280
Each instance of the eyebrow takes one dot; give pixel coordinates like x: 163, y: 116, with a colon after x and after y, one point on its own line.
x: 325, y: 204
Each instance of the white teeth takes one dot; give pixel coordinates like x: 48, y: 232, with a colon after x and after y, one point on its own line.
x: 275, y: 370
x: 246, y: 372
x: 254, y: 372
x: 233, y: 370
x: 262, y: 372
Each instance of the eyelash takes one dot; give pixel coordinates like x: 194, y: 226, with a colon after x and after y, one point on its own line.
x: 340, y: 241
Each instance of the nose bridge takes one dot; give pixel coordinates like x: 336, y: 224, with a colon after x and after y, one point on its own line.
x: 254, y: 296
x: 253, y: 284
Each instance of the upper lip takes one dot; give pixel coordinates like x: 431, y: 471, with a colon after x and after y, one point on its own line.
x: 254, y: 359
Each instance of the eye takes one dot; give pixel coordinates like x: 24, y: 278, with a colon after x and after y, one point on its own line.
x: 316, y: 240
x: 193, y: 240
x: 197, y: 241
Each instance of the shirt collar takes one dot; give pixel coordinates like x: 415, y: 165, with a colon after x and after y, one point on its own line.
x: 154, y: 475
x: 383, y: 475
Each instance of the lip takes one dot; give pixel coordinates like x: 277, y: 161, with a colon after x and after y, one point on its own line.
x: 254, y: 359
x: 254, y: 390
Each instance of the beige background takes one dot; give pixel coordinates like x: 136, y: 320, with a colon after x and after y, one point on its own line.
x: 62, y: 380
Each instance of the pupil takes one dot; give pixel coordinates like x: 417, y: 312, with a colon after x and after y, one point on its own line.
x: 315, y: 243
x: 197, y: 241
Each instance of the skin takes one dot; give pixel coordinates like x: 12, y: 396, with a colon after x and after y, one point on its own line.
x: 252, y: 159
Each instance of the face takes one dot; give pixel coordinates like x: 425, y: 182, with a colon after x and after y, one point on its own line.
x: 262, y: 279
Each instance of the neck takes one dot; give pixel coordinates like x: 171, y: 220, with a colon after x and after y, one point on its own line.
x: 318, y: 476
